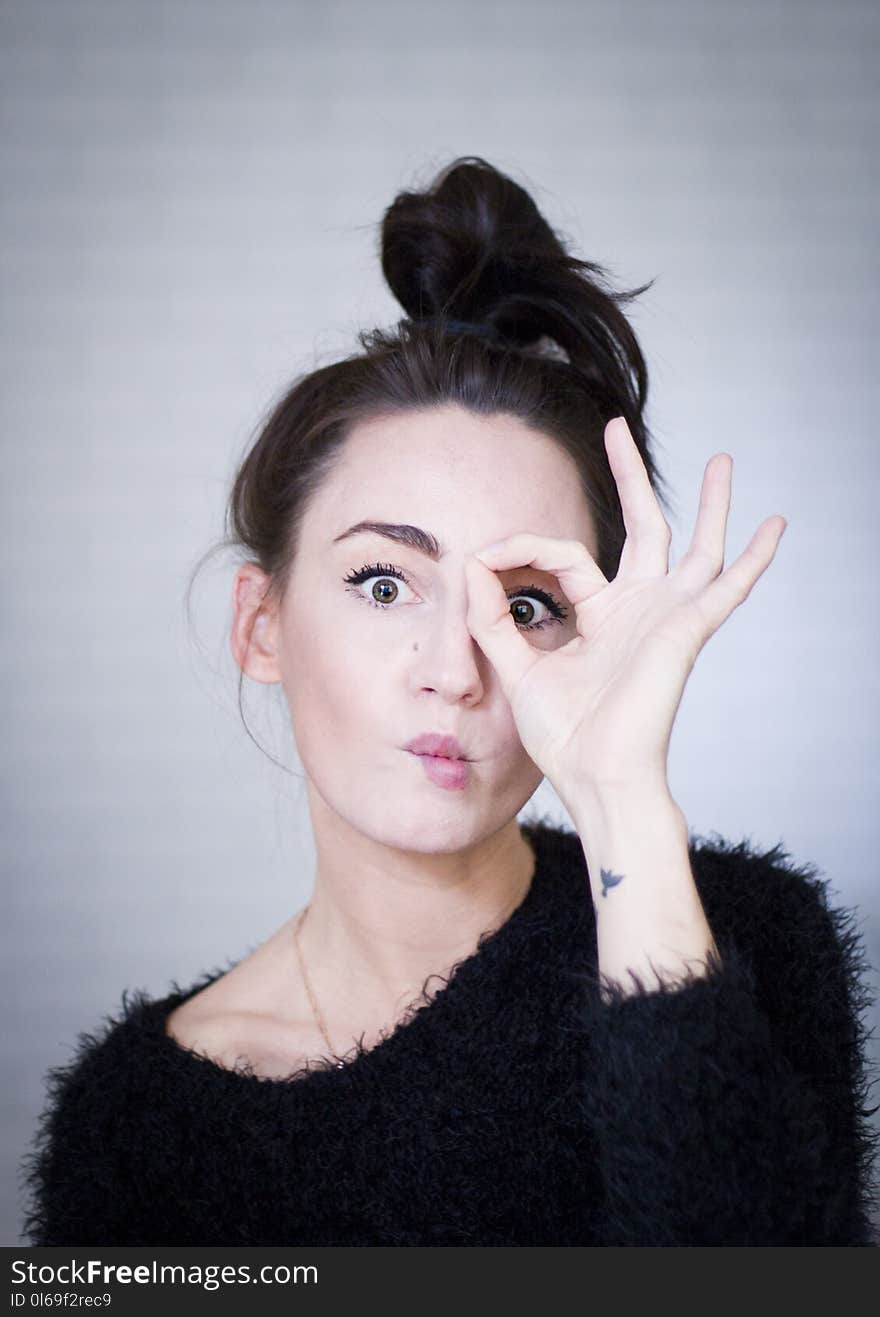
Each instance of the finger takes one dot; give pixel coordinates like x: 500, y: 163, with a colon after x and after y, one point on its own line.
x: 648, y: 536
x: 705, y: 556
x: 492, y: 625
x: 569, y: 561
x: 729, y: 590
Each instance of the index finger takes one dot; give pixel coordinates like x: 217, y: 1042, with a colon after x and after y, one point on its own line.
x: 569, y: 561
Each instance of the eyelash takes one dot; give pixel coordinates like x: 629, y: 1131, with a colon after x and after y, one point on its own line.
x: 558, y: 611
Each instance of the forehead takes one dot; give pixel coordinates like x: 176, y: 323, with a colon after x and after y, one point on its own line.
x: 466, y: 479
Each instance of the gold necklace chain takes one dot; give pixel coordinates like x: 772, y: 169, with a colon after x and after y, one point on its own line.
x: 316, y: 1011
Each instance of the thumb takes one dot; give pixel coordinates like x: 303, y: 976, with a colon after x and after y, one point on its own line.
x: 491, y: 624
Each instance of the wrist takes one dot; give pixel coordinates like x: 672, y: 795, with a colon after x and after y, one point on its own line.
x: 649, y: 915
x: 594, y: 804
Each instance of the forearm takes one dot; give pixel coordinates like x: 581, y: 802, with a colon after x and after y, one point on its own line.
x: 648, y: 910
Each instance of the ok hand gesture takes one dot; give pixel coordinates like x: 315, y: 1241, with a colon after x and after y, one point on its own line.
x: 599, y: 710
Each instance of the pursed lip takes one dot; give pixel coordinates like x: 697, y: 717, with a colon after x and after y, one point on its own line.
x: 431, y: 743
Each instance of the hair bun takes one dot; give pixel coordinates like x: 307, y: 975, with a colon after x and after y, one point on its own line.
x: 473, y: 246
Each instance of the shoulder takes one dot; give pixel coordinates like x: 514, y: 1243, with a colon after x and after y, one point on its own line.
x: 771, y: 901
x: 800, y: 947
x: 104, y: 1062
x: 96, y: 1053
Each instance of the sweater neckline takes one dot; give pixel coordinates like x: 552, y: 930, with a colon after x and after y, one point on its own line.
x: 149, y: 1016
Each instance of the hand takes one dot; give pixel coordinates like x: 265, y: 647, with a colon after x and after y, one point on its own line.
x: 599, y: 710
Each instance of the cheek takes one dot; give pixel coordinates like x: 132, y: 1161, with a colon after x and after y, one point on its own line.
x: 322, y: 675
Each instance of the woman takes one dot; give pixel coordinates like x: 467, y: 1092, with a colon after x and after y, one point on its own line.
x: 457, y: 568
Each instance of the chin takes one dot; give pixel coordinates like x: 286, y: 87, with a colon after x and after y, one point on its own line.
x: 426, y: 829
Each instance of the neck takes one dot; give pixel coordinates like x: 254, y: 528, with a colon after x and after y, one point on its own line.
x: 382, y: 920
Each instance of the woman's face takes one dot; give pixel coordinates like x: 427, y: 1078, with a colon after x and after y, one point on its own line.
x: 371, y: 639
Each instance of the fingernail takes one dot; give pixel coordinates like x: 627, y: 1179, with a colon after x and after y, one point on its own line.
x: 490, y: 549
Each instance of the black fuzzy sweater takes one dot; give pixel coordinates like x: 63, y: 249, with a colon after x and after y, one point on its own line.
x: 516, y: 1106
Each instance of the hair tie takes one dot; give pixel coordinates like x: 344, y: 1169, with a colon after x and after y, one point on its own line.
x: 543, y: 347
x: 453, y: 326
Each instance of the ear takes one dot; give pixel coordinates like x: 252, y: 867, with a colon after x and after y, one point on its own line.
x: 254, y: 637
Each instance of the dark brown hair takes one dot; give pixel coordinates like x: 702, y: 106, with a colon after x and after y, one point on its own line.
x: 548, y: 343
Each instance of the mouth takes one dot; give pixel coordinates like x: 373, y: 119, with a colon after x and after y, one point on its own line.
x: 435, y: 745
x: 444, y: 771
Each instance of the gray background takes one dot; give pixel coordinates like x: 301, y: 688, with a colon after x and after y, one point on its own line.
x: 190, y: 194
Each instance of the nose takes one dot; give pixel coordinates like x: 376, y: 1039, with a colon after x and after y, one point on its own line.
x: 448, y: 659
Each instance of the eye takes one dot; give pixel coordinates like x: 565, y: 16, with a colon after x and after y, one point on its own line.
x: 384, y: 593
x: 531, y: 594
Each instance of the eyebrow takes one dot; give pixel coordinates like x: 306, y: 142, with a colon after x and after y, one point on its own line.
x: 413, y: 537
